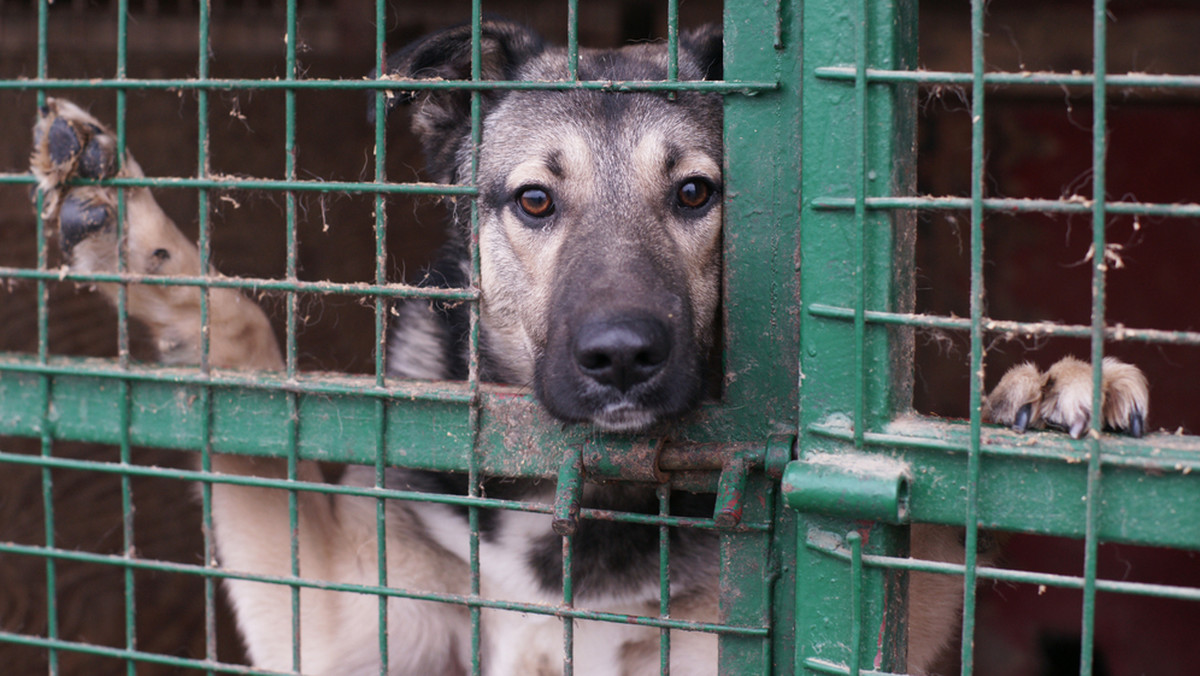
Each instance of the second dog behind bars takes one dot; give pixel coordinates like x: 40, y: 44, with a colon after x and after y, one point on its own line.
x: 600, y: 218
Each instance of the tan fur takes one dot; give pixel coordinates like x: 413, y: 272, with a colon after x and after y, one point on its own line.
x: 1062, y: 397
x: 1020, y: 386
x: 935, y: 600
x: 1126, y: 392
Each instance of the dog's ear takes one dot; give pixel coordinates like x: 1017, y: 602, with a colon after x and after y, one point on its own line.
x: 442, y: 118
x: 707, y: 47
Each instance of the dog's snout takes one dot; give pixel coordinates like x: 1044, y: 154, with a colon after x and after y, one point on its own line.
x: 622, y: 353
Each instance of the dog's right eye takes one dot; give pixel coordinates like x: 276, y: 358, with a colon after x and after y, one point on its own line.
x: 535, y: 202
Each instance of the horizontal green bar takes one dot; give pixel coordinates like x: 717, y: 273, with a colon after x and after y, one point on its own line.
x: 98, y: 370
x: 458, y: 599
x: 230, y: 183
x: 994, y: 326
x: 1167, y: 591
x: 427, y: 423
x: 706, y: 86
x: 132, y: 655
x: 1049, y: 79
x: 1014, y: 205
x: 82, y: 465
x: 247, y: 283
x: 1037, y: 482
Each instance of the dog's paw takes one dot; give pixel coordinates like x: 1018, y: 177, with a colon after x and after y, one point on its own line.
x: 1061, y: 398
x: 1015, y: 399
x: 69, y: 143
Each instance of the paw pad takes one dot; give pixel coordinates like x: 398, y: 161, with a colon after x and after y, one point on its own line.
x: 68, y: 142
x: 63, y: 143
x: 79, y: 218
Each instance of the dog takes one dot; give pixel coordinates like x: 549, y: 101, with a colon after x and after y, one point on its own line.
x: 599, y: 235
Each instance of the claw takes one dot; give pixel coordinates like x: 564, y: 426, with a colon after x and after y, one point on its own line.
x: 1137, y: 425
x: 1021, y: 421
x: 1079, y: 427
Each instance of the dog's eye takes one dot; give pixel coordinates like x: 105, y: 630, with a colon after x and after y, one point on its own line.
x: 694, y: 193
x: 535, y: 202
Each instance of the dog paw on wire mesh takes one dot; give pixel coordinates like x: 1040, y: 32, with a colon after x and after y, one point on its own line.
x: 1061, y: 398
x: 71, y: 150
x: 69, y: 143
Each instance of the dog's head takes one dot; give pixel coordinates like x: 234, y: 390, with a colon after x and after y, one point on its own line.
x: 599, y: 217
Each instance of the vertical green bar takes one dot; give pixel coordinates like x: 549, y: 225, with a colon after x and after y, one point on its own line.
x: 204, y: 403
x: 44, y: 387
x: 858, y: 143
x: 978, y: 175
x: 848, y: 615
x: 473, y: 475
x: 664, y: 579
x: 761, y: 200
x: 573, y: 40
x: 1099, y: 187
x: 128, y: 549
x: 292, y: 306
x: 381, y: 305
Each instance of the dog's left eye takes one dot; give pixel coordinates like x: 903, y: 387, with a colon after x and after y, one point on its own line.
x: 694, y: 193
x: 535, y: 202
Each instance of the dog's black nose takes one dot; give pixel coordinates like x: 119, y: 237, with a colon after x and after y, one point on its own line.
x: 621, y: 353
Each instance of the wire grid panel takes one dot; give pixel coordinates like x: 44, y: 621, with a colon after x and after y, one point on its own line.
x: 466, y: 427
x: 859, y: 201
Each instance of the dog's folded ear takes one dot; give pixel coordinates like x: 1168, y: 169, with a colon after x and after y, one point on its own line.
x: 440, y: 117
x: 706, y: 44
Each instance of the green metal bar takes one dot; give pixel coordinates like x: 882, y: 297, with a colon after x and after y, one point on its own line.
x: 672, y: 43
x: 54, y: 646
x: 854, y: 539
x: 1070, y: 205
x: 753, y: 631
x: 474, y: 475
x: 568, y: 601
x: 42, y: 385
x: 1020, y: 480
x: 862, y: 132
x: 247, y: 283
x: 748, y: 87
x: 1016, y: 576
x: 198, y: 476
x: 974, y: 457
x: 572, y: 40
x: 290, y: 348
x: 1046, y: 79
x: 224, y: 183
x: 664, y: 579
x: 381, y: 307
x: 123, y: 357
x: 204, y: 245
x: 1099, y: 246
x: 1014, y: 328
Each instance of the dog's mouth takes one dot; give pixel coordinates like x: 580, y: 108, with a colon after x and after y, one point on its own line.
x: 624, y: 417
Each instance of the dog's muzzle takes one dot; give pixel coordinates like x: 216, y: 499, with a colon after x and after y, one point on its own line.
x: 620, y: 371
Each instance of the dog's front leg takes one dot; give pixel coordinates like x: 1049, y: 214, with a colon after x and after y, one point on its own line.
x: 253, y: 534
x: 69, y: 143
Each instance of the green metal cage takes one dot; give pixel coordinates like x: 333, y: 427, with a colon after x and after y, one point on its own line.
x: 821, y: 207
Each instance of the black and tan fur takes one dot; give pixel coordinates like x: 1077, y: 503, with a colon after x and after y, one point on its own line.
x: 599, y: 235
